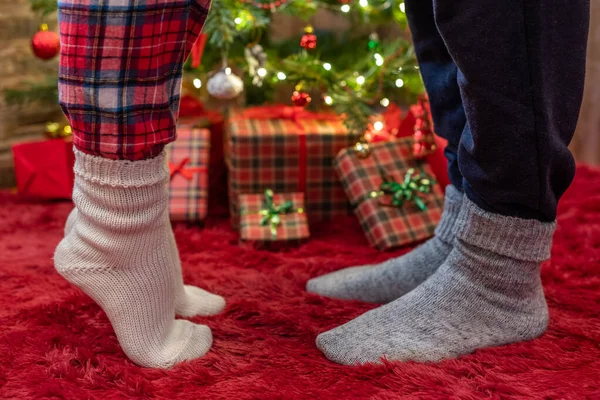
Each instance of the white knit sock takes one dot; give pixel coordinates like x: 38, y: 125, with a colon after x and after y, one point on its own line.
x: 191, y: 300
x: 120, y: 252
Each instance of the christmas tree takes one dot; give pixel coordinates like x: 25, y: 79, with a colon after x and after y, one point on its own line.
x: 356, y: 71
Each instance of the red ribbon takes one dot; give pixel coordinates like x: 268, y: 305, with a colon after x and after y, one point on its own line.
x: 198, y: 50
x: 187, y: 173
x: 296, y: 115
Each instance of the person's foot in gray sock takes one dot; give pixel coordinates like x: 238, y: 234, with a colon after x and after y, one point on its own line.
x: 487, y: 293
x: 394, y: 278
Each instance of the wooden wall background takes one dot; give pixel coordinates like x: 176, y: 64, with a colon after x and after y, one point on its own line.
x: 17, y: 64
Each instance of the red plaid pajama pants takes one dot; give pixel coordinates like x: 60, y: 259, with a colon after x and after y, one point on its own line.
x: 121, y: 63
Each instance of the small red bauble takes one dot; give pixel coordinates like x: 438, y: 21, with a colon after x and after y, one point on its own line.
x: 45, y: 44
x: 301, y: 99
x: 309, y: 40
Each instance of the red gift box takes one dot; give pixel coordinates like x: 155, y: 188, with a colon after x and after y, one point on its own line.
x: 45, y: 169
x: 188, y: 164
x: 386, y: 225
x: 256, y: 224
x: 287, y: 149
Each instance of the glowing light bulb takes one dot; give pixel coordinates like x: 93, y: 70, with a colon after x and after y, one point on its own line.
x: 345, y: 8
x: 379, y: 62
x: 327, y: 66
x: 328, y: 100
x: 364, y: 3
x: 261, y: 72
x: 402, y: 7
x: 197, y: 83
x: 378, y: 125
x: 360, y: 80
x: 238, y: 20
x: 227, y: 71
x: 281, y: 76
x: 399, y: 82
x: 385, y: 102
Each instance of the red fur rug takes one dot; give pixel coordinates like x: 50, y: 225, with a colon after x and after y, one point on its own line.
x: 56, y: 343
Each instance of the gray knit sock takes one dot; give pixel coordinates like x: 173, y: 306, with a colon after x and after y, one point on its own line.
x: 387, y: 281
x: 487, y: 293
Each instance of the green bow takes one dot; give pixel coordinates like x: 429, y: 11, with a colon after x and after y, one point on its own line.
x: 271, y: 214
x: 408, y: 190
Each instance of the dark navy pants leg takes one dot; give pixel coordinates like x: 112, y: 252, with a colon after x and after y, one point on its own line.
x: 521, y: 66
x: 440, y: 77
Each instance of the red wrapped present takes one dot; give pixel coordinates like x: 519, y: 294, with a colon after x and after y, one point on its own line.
x: 188, y: 160
x: 287, y: 149
x: 392, y: 192
x: 45, y: 169
x: 191, y: 110
x: 273, y: 217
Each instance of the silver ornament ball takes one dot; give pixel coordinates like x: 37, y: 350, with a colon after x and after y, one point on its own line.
x: 225, y: 85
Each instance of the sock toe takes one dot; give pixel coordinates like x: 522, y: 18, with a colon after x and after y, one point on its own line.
x: 199, y: 302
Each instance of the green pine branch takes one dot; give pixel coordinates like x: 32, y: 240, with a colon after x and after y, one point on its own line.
x: 33, y: 92
x: 44, y: 7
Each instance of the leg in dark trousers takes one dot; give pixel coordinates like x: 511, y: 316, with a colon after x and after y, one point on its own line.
x: 440, y: 77
x: 520, y: 71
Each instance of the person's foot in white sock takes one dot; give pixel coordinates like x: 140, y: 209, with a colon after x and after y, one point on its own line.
x: 191, y: 300
x: 119, y: 253
x: 394, y: 278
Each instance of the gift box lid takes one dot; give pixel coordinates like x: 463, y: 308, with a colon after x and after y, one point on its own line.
x: 278, y: 120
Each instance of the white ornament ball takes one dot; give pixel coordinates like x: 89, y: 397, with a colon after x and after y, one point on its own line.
x: 225, y: 85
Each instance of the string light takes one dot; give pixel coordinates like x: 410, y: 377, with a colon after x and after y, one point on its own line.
x: 197, y: 83
x: 328, y: 100
x: 360, y: 80
x: 327, y: 66
x: 378, y: 59
x: 345, y: 8
x: 385, y: 102
x: 399, y: 82
x: 238, y: 20
x: 378, y: 125
x: 343, y: 83
x: 261, y: 72
x: 281, y: 76
x: 227, y: 71
x: 402, y: 7
x: 363, y: 3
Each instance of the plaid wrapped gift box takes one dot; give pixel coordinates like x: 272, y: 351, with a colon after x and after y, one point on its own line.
x: 387, y: 226
x: 258, y: 223
x: 188, y: 159
x: 287, y: 149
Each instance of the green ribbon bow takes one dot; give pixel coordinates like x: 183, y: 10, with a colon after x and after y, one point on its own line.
x: 272, y: 213
x: 408, y: 190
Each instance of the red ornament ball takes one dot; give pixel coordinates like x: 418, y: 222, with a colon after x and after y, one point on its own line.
x: 309, y: 40
x: 45, y: 44
x: 301, y: 99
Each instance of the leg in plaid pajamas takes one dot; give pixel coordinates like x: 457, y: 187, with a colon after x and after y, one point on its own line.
x: 119, y: 84
x: 513, y: 73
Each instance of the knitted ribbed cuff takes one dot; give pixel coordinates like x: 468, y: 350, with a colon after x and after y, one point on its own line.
x: 121, y: 173
x: 445, y: 229
x: 521, y: 239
